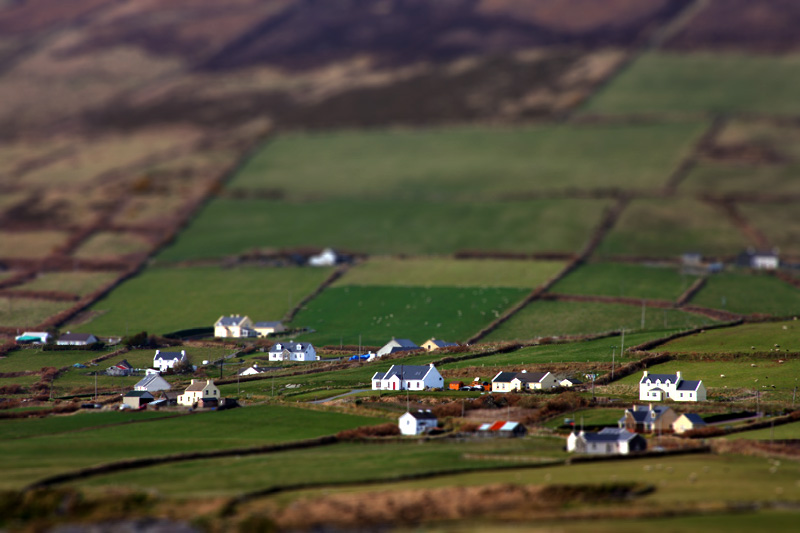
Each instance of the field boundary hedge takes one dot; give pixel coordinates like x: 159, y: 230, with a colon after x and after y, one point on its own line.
x: 690, y: 293
x: 649, y: 345
x: 336, y: 274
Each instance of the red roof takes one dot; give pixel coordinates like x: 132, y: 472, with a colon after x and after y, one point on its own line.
x: 497, y: 425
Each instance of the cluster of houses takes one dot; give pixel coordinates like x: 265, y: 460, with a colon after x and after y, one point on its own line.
x: 530, y: 381
x: 67, y: 339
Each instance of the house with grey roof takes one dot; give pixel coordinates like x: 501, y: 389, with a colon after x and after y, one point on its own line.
x: 235, y: 326
x: 152, y: 383
x: 659, y: 387
x: 688, y: 422
x: 163, y: 361
x: 648, y: 419
x: 292, y: 351
x: 76, y: 339
x: 417, y: 422
x: 395, y: 346
x: 408, y: 377
x: 523, y: 381
x: 607, y: 441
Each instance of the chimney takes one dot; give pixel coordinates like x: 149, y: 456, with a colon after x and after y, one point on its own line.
x: 678, y: 374
x: 645, y: 374
x: 158, y: 352
x: 524, y: 372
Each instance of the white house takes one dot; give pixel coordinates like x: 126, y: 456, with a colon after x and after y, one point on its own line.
x: 253, y: 370
x: 163, y: 361
x: 264, y: 329
x: 688, y: 422
x: 152, y: 383
x: 408, y: 377
x: 607, y: 441
x: 417, y: 423
x: 520, y: 381
x: 35, y: 337
x: 659, y: 387
x: 76, y: 339
x: 570, y: 382
x: 198, y: 390
x: 236, y: 326
x: 292, y: 351
x: 397, y: 345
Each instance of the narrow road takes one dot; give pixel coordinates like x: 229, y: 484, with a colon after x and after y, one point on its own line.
x: 356, y: 391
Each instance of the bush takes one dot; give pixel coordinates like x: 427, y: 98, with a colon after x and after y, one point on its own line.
x: 388, y: 429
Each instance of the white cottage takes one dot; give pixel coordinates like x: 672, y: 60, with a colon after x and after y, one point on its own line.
x: 397, y: 345
x: 521, y: 381
x: 659, y: 387
x: 607, y: 441
x: 418, y: 422
x: 292, y: 351
x: 152, y: 383
x: 408, y: 377
x: 163, y: 361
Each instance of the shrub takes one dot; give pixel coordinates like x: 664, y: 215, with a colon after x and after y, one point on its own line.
x: 388, y: 429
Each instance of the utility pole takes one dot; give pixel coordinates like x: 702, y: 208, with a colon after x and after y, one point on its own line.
x: 622, y: 344
x: 613, y: 353
x: 95, y: 385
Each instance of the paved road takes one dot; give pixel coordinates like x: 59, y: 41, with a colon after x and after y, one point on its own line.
x: 356, y: 391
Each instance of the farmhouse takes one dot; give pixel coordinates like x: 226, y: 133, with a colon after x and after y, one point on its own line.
x: 255, y: 370
x: 607, y: 441
x: 264, y: 329
x: 163, y: 361
x: 648, y: 418
x: 76, y: 339
x: 137, y: 399
x: 502, y: 428
x: 418, y: 422
x: 408, y: 377
x: 759, y: 259
x: 688, y: 422
x: 570, y: 382
x: 152, y: 383
x: 519, y: 381
x: 435, y: 344
x: 198, y: 391
x: 397, y: 345
x: 658, y: 387
x: 292, y: 351
x: 235, y: 326
x: 123, y: 368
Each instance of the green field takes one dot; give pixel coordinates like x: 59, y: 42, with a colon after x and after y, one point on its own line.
x: 28, y: 312
x: 670, y: 227
x: 703, y: 83
x: 388, y: 226
x: 746, y: 294
x: 32, y: 358
x: 739, y: 374
x: 544, y: 318
x: 469, y: 162
x: 785, y: 431
x: 29, y: 459
x: 780, y: 223
x: 82, y: 420
x: 80, y: 283
x: 342, y: 462
x: 377, y: 314
x: 162, y: 300
x: 433, y: 272
x: 625, y: 280
x: 745, y: 338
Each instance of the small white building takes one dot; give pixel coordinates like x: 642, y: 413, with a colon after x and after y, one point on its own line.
x: 418, y: 422
x: 235, y: 326
x: 326, y: 257
x: 34, y: 337
x: 688, y: 422
x: 76, y: 339
x: 264, y: 329
x: 523, y: 381
x: 198, y: 390
x: 607, y: 441
x: 163, y: 361
x: 292, y: 351
x: 253, y: 371
x: 397, y: 345
x: 659, y: 387
x: 152, y: 383
x: 408, y: 377
x: 570, y: 382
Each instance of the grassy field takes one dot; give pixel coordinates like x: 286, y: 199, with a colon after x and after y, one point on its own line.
x: 671, y: 227
x: 469, y: 163
x: 53, y: 425
x: 27, y: 312
x: 30, y: 244
x: 442, y: 272
x: 780, y: 223
x: 739, y: 374
x: 625, y: 280
x: 112, y: 245
x: 553, y: 318
x: 785, y: 431
x: 388, y: 226
x: 703, y: 82
x: 342, y: 462
x: 35, y: 358
x: 601, y: 416
x: 742, y: 293
x: 162, y: 300
x: 379, y: 313
x: 34, y: 457
x: 80, y: 283
x: 744, y: 338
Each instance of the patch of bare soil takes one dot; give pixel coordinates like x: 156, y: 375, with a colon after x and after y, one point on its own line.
x: 743, y: 25
x: 408, y: 507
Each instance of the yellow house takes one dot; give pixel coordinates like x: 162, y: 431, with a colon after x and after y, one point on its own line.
x: 234, y: 326
x: 435, y: 344
x: 198, y: 390
x: 688, y: 422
